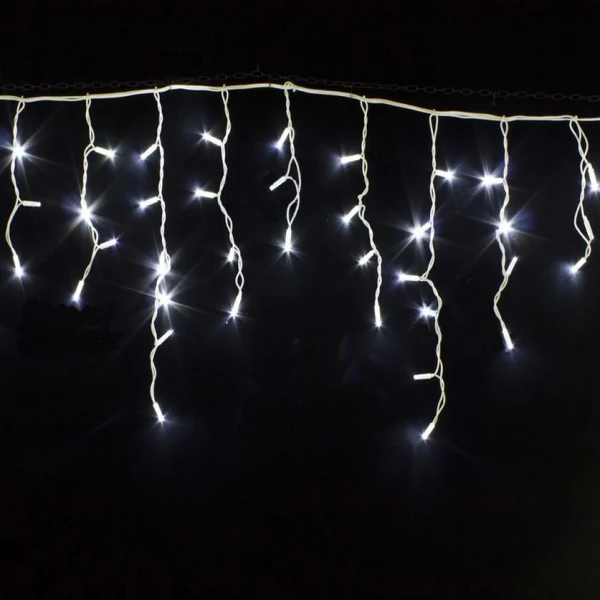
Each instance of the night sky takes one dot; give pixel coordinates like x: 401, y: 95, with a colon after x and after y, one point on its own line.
x: 291, y: 464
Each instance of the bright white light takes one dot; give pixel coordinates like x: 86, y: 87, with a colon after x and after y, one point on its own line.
x: 105, y: 152
x: 164, y: 337
x: 232, y: 254
x: 78, y: 290
x: 378, y: 321
x: 593, y: 181
x: 427, y: 311
x: 505, y: 227
x: 18, y: 268
x: 578, y: 265
x: 163, y: 299
x: 107, y: 244
x: 287, y: 246
x: 144, y: 203
x: 366, y: 258
x: 347, y: 218
x: 407, y: 277
x: 236, y: 305
x: 31, y: 203
x: 203, y: 194
x: 144, y: 155
x: 428, y: 431
x: 85, y: 212
x: 348, y: 159
x: 19, y: 151
x: 279, y: 182
x: 284, y: 136
x: 159, y: 413
x: 507, y: 339
x: 448, y: 175
x: 163, y: 267
x: 420, y: 231
x: 423, y: 376
x: 207, y: 137
x: 490, y: 180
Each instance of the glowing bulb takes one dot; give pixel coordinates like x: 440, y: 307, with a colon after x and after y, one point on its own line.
x: 347, y: 218
x: 427, y: 311
x: 420, y: 231
x: 164, y: 337
x: 107, y: 244
x: 505, y: 227
x: 428, y: 431
x: 31, y: 203
x: 144, y: 203
x: 203, y: 194
x: 378, y: 321
x: 366, y: 258
x: 407, y: 277
x: 19, y: 151
x: 578, y: 265
x: 593, y: 181
x: 423, y: 376
x: 85, y: 212
x: 232, y: 254
x: 159, y: 413
x: 490, y: 180
x: 163, y: 268
x: 18, y: 268
x: 448, y: 175
x: 207, y: 137
x: 78, y: 290
x: 105, y: 152
x: 348, y: 159
x: 279, y: 182
x: 236, y: 306
x: 144, y: 155
x: 163, y: 299
x: 284, y: 136
x: 507, y: 339
x: 287, y: 246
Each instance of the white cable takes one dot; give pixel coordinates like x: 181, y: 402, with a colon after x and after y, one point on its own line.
x: 586, y: 169
x: 234, y: 251
x: 161, y: 295
x: 85, y: 210
x: 294, y: 205
x: 18, y: 153
x: 503, y: 229
x: 425, y: 278
x: 359, y: 210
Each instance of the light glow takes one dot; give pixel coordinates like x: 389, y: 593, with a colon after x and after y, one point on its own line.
x: 164, y: 337
x: 349, y: 216
x: 424, y: 376
x: 78, y: 290
x: 578, y: 265
x: 149, y: 202
x: 163, y: 298
x: 159, y: 413
x: 490, y: 180
x: 284, y: 136
x: 144, y: 155
x: 204, y: 194
x: 407, y: 277
x: 18, y: 151
x: 348, y: 159
x: 235, y: 309
x: 505, y: 227
x: 107, y: 244
x: 420, y: 231
x: 207, y: 137
x: 105, y: 152
x: 427, y: 312
x: 593, y: 181
x: 366, y: 258
x: 31, y: 203
x: 448, y: 175
x: 231, y: 256
x: 287, y: 245
x: 425, y: 435
x: 18, y: 267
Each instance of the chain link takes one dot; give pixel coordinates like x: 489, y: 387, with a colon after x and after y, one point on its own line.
x: 257, y: 74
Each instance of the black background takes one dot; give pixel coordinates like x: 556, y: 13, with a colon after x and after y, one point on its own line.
x: 291, y: 464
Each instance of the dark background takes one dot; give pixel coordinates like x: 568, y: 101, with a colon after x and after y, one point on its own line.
x: 291, y: 464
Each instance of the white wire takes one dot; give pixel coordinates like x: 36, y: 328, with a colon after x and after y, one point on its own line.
x: 294, y: 205
x: 305, y: 90
x: 234, y: 249
x: 18, y: 200
x: 587, y: 233
x: 85, y: 209
x: 506, y: 272
x: 425, y: 278
x: 164, y: 262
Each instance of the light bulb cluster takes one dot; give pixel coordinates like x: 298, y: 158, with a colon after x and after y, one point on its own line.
x: 18, y: 154
x: 292, y: 174
x: 359, y: 211
x: 587, y: 171
x: 428, y: 311
x: 162, y: 297
x: 85, y: 210
x: 234, y: 250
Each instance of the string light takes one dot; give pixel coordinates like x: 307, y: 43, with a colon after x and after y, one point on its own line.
x: 503, y: 229
x: 294, y: 205
x: 448, y: 175
x: 425, y: 278
x: 586, y: 171
x: 239, y: 277
x: 593, y: 181
x: 360, y: 209
x: 490, y: 180
x: 150, y: 150
x: 149, y: 202
x: 17, y: 154
x: 85, y: 211
x: 161, y: 296
x: 427, y: 312
x: 420, y: 231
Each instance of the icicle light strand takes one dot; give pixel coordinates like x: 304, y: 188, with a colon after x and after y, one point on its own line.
x: 586, y: 170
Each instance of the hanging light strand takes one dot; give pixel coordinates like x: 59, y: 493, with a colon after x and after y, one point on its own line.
x: 586, y: 171
x: 503, y: 229
x: 85, y: 210
x: 17, y: 153
x: 161, y: 295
